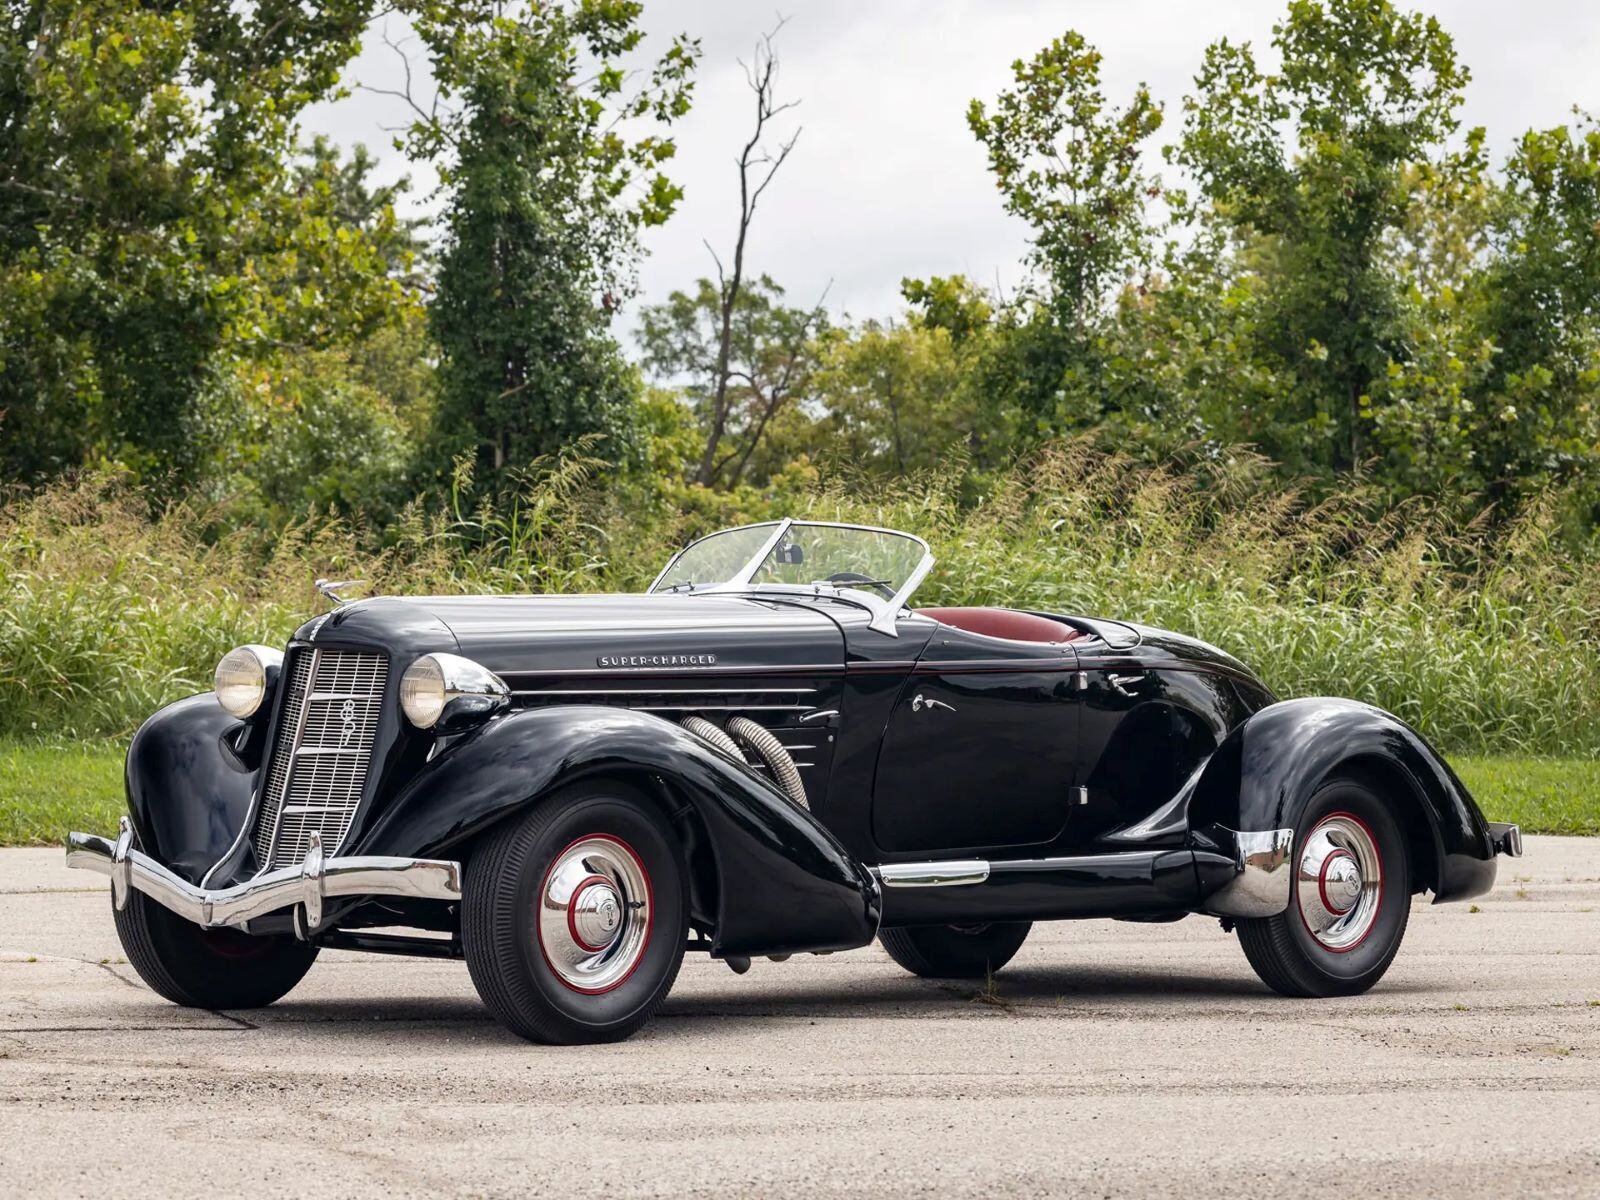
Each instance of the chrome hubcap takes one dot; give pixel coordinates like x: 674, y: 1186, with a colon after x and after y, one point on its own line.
x: 1339, y: 881
x: 594, y: 913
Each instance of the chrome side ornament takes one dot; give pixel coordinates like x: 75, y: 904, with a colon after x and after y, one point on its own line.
x: 1121, y: 684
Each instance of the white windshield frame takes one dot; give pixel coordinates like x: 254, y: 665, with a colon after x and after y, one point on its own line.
x: 885, y: 613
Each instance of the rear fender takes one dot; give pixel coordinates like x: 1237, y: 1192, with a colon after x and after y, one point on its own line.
x: 783, y: 882
x: 1264, y: 773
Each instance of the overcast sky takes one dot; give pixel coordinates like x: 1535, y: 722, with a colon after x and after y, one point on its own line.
x: 886, y: 180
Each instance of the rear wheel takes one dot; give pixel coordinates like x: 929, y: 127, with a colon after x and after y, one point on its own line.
x: 208, y: 968
x: 574, y: 916
x: 955, y: 951
x: 1350, y: 900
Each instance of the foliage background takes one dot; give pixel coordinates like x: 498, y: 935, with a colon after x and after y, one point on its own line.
x: 1322, y: 390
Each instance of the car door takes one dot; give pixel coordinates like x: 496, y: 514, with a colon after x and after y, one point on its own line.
x: 980, y: 747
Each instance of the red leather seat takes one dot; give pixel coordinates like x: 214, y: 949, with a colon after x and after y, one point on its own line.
x: 1003, y: 623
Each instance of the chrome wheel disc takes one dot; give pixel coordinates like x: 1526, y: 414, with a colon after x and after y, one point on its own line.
x: 1339, y: 882
x: 594, y: 913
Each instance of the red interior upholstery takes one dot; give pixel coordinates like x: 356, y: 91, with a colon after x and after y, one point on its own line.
x: 1003, y: 623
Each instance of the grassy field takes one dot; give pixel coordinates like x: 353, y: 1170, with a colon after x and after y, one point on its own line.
x: 46, y: 790
x: 109, y: 609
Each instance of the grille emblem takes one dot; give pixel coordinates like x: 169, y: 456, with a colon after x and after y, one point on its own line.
x: 347, y: 718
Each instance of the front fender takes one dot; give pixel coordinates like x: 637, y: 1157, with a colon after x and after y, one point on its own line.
x: 188, y: 791
x: 1267, y: 769
x: 784, y: 883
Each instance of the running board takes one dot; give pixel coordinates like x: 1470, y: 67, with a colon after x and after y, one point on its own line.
x: 1125, y: 883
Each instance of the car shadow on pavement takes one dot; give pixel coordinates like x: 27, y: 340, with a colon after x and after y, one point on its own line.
x: 700, y: 1005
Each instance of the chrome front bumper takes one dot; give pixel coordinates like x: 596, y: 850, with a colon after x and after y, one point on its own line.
x: 309, y: 884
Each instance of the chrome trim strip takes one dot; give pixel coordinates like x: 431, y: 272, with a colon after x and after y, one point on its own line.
x: 307, y: 883
x: 833, y: 668
x: 712, y: 707
x: 1265, y: 876
x: 249, y: 824
x: 722, y: 691
x: 956, y: 873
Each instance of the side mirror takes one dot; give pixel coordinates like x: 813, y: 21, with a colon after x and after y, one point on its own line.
x: 791, y: 554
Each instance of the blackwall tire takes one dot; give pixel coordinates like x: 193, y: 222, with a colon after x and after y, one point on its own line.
x: 955, y: 951
x: 208, y: 968
x: 574, y: 916
x: 1291, y: 951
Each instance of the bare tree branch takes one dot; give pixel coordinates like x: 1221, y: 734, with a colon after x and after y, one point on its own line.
x: 782, y: 389
x: 406, y: 93
x: 761, y: 75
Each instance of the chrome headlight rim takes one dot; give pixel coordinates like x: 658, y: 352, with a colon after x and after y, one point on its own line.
x: 244, y: 677
x: 433, y: 681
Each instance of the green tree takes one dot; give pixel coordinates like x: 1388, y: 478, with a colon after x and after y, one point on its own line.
x: 893, y: 395
x: 551, y: 155
x: 1069, y: 165
x: 1540, y: 406
x: 740, y: 366
x: 148, y: 230
x: 342, y: 185
x: 1365, y: 93
x: 952, y: 303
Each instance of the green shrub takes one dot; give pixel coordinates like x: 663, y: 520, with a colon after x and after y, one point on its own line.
x: 1488, y: 643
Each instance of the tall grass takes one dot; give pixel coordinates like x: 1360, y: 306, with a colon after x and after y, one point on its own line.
x: 1488, y: 643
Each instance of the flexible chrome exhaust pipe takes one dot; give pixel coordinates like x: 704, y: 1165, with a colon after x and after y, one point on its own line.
x: 744, y: 731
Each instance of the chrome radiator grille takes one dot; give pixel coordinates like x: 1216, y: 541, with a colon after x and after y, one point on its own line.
x: 321, y: 753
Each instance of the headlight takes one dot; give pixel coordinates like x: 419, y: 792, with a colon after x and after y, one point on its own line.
x: 243, y: 676
x: 434, y: 680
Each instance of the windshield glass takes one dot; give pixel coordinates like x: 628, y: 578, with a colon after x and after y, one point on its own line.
x: 872, y: 560
x: 717, y: 558
x: 800, y: 553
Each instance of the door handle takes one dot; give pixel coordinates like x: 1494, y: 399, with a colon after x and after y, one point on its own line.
x: 920, y: 702
x: 1121, y: 683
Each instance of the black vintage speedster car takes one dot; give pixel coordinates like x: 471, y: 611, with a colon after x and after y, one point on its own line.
x: 768, y: 753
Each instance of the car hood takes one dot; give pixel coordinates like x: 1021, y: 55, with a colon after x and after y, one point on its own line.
x: 619, y: 634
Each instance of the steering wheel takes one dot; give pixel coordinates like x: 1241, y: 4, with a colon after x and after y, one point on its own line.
x: 883, y: 587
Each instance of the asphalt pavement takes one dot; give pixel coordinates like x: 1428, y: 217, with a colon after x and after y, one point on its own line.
x: 1110, y: 1059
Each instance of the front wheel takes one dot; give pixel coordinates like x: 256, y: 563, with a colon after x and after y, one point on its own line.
x: 574, y: 916
x: 208, y: 968
x: 1350, y: 899
x: 955, y: 951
